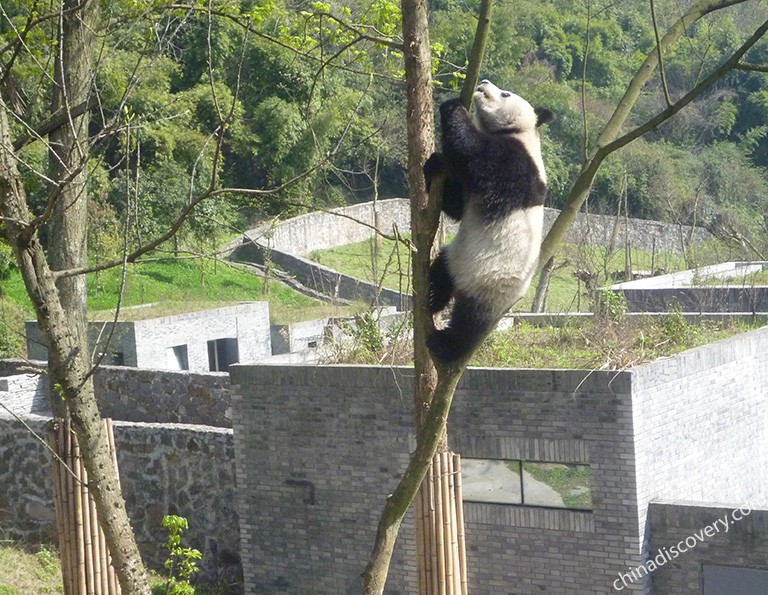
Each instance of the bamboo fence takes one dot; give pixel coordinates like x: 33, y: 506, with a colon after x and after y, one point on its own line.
x: 440, y: 529
x: 85, y: 561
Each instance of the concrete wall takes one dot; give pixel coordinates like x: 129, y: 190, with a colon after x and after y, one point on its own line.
x: 684, y: 290
x: 321, y: 230
x: 147, y: 343
x: 298, y: 336
x: 698, y: 299
x: 321, y: 278
x: 343, y: 434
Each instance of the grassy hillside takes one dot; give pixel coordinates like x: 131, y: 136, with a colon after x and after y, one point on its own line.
x: 173, y: 286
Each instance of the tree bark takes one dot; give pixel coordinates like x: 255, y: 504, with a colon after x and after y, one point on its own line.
x: 433, y: 387
x: 60, y: 305
x: 68, y: 149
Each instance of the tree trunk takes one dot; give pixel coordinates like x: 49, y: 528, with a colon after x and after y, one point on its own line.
x: 60, y: 301
x: 542, y: 288
x: 68, y: 148
x: 433, y: 388
x: 72, y: 364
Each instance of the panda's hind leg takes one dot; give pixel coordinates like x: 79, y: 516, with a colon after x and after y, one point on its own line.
x: 470, y: 323
x: 440, y: 283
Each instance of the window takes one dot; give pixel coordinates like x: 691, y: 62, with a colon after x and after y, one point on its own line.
x: 556, y: 485
x: 222, y: 353
x: 176, y: 358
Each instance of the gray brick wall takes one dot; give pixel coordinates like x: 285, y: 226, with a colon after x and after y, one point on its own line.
x: 744, y: 544
x: 690, y: 428
x: 347, y: 430
x: 701, y: 426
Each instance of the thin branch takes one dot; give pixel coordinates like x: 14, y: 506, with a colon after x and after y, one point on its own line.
x: 660, y: 56
x: 44, y: 442
x: 209, y: 193
x: 585, y: 59
x: 54, y: 122
x: 751, y: 67
x: 698, y: 90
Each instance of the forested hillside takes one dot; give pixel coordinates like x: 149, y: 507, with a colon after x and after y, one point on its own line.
x: 318, y: 106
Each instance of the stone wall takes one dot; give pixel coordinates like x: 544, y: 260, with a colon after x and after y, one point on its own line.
x: 165, y: 468
x: 145, y: 395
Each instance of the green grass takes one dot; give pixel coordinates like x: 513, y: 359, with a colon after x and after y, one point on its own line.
x: 24, y: 573
x: 393, y: 263
x: 39, y: 573
x: 566, y: 293
x: 181, y: 286
x: 749, y: 280
x: 599, y: 343
x: 572, y: 482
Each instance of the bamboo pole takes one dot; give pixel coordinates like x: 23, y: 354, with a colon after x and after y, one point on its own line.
x: 96, y: 559
x: 432, y: 520
x: 454, y: 541
x: 85, y: 560
x: 421, y: 541
x: 77, y: 501
x: 459, y: 498
x: 440, y: 526
x: 445, y: 497
x: 87, y: 535
x: 70, y: 535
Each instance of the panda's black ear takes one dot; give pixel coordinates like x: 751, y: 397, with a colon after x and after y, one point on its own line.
x: 544, y: 116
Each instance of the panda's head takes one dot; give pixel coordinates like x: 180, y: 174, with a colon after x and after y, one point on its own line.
x: 497, y: 111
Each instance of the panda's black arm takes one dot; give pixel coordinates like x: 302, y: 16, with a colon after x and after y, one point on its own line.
x: 453, y: 197
x: 462, y: 141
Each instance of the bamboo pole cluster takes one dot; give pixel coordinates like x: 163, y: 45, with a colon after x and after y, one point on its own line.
x: 86, y: 565
x: 440, y: 529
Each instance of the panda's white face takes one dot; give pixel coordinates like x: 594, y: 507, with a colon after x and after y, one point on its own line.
x: 496, y: 110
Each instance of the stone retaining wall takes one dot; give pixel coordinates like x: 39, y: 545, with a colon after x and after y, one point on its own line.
x: 165, y: 468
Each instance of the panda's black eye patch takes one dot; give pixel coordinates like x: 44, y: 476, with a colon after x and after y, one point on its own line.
x: 505, y: 93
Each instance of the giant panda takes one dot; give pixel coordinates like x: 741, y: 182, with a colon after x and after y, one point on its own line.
x: 495, y: 185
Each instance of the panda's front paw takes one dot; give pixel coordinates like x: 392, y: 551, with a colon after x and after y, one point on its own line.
x: 434, y: 166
